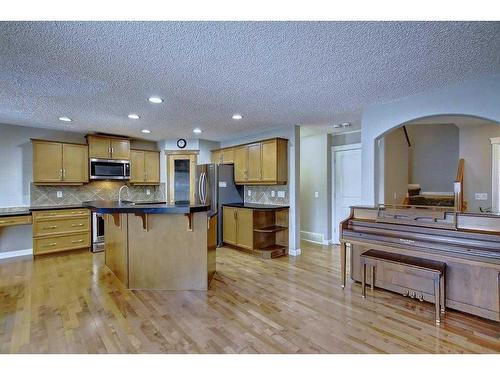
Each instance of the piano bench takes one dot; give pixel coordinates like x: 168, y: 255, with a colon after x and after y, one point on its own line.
x: 404, y: 274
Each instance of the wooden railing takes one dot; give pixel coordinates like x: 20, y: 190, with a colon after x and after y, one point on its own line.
x: 458, y: 187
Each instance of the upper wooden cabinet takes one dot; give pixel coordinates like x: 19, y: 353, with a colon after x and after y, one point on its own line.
x: 144, y: 167
x: 59, y: 163
x: 101, y: 147
x: 224, y: 156
x: 258, y: 163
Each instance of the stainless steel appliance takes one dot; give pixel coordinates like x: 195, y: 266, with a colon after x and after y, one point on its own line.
x: 214, y: 185
x: 97, y: 232
x: 108, y: 169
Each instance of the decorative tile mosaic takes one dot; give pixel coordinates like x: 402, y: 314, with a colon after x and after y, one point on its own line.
x: 96, y: 190
x: 262, y: 194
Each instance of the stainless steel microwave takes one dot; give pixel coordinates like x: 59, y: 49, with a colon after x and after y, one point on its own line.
x: 107, y: 169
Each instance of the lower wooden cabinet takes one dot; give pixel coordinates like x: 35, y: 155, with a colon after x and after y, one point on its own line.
x: 261, y: 232
x: 60, y: 230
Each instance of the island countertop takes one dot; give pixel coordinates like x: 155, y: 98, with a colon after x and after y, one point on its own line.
x: 110, y: 207
x: 256, y: 206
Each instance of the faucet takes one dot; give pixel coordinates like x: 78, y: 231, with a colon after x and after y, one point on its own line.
x: 120, y: 193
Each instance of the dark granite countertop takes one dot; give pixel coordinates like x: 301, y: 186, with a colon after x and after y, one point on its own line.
x: 55, y: 207
x: 109, y: 207
x: 14, y: 211
x: 256, y: 206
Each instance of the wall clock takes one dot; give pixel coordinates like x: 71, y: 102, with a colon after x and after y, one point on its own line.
x: 181, y: 143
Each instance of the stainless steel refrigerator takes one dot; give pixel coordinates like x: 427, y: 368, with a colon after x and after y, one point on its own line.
x: 214, y: 185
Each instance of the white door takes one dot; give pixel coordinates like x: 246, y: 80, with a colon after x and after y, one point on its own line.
x: 346, y: 183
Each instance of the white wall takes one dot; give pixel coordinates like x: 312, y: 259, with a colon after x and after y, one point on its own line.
x: 315, y: 166
x: 16, y: 160
x: 476, y: 98
x: 292, y: 133
x: 396, y: 162
x: 433, y: 156
x: 475, y: 149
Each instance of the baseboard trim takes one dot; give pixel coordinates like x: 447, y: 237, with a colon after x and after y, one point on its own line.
x: 294, y: 252
x: 17, y: 253
x: 317, y: 238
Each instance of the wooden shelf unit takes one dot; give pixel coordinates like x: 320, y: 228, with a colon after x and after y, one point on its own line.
x: 259, y: 232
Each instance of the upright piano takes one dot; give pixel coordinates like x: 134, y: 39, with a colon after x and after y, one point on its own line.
x: 469, y: 244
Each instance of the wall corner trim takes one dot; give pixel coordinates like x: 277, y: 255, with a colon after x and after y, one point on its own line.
x: 17, y: 253
x: 294, y: 252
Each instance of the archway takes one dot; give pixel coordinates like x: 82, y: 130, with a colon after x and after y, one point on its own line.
x: 416, y: 162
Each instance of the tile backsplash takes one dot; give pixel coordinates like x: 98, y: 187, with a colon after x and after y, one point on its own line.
x: 96, y: 190
x: 262, y: 194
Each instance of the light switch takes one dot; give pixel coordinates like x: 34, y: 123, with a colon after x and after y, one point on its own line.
x: 222, y: 184
x: 481, y: 196
x: 148, y: 192
x: 316, y: 194
x: 59, y: 194
x: 273, y: 193
x: 281, y: 194
x: 249, y: 193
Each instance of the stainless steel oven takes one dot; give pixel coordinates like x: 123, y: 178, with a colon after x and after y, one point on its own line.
x: 97, y: 232
x: 108, y: 169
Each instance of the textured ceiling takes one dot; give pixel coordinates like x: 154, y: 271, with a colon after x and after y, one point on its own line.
x: 274, y: 73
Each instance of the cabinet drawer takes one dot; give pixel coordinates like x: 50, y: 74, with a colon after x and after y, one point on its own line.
x: 58, y: 226
x: 61, y: 243
x: 51, y: 214
x: 6, y: 221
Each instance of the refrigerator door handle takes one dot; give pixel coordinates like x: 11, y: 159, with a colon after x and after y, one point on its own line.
x: 203, y: 187
x: 199, y: 187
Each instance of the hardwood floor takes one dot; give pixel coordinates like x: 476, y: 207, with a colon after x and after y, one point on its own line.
x: 72, y: 303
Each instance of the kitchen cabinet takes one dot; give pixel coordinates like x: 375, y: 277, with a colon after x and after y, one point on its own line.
x: 60, y: 230
x: 229, y: 225
x: 262, y: 232
x: 227, y: 156
x: 144, y: 167
x: 238, y: 227
x: 216, y: 156
x: 259, y: 163
x: 101, y: 147
x: 56, y: 163
x: 223, y: 156
x: 254, y: 162
x: 240, y: 164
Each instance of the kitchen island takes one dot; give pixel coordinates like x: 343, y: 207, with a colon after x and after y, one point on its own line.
x: 159, y: 246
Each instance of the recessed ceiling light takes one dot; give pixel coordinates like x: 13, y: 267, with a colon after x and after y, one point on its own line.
x: 155, y: 99
x: 65, y: 119
x: 146, y: 131
x: 237, y: 116
x: 133, y: 116
x: 197, y: 130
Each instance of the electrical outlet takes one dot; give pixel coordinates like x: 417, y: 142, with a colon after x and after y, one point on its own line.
x: 316, y: 194
x: 249, y: 193
x: 481, y: 196
x: 395, y: 195
x: 148, y: 192
x: 281, y: 194
x: 273, y: 193
x: 59, y: 194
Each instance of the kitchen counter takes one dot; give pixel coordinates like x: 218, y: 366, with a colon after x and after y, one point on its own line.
x: 55, y: 207
x: 255, y: 206
x: 14, y: 211
x: 110, y: 207
x: 158, y: 246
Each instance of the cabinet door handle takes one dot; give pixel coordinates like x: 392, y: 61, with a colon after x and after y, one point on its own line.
x: 77, y: 225
x: 61, y: 174
x: 6, y: 221
x: 50, y: 244
x: 76, y: 241
x: 50, y: 227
